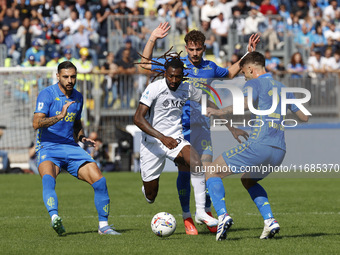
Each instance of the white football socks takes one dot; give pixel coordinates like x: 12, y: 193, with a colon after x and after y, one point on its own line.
x: 198, y: 183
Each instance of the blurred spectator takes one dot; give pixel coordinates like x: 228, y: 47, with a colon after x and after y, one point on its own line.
x: 84, y: 67
x: 126, y: 69
x: 225, y: 7
x: 63, y: 10
x: 271, y: 63
x: 316, y: 65
x: 164, y: 12
x: 102, y: 18
x: 91, y: 25
x: 30, y: 62
x: 303, y: 38
x: 210, y: 41
x: 54, y: 28
x: 132, y: 51
x: 296, y: 68
x: 54, y: 62
x: 195, y: 12
x: 329, y: 59
x: 283, y: 12
x: 266, y: 8
x: 66, y: 40
x: 270, y: 32
x: 73, y: 22
x: 110, y: 84
x: 134, y: 30
x: 318, y: 39
x: 220, y: 27
x: 24, y: 10
x: 251, y: 23
x: 9, y: 40
x: 11, y: 21
x: 315, y: 10
x: 300, y: 9
x: 99, y: 153
x: 329, y: 11
x: 81, y: 39
x: 81, y: 8
x: 332, y: 32
x: 4, y: 156
x: 68, y: 57
x: 36, y: 29
x: 24, y: 36
x: 209, y: 11
x: 121, y: 11
x: 151, y: 23
x: 242, y: 7
x: 3, y: 8
x: 180, y: 12
x: 37, y: 52
x: 46, y: 11
x: 333, y: 63
x: 237, y: 22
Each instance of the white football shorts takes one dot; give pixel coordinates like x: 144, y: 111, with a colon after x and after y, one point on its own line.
x: 153, y: 155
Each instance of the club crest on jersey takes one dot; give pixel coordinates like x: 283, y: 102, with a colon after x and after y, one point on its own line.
x: 195, y: 69
x: 146, y: 95
x: 40, y: 106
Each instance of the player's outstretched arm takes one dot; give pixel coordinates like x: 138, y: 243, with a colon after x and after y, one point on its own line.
x: 140, y: 121
x: 235, y: 68
x: 160, y: 32
x: 40, y: 120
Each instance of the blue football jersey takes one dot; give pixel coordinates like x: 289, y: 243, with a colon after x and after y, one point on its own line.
x: 50, y: 101
x: 267, y: 129
x: 197, y: 76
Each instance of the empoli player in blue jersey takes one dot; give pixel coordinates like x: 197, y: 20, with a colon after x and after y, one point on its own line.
x: 196, y: 127
x: 57, y: 119
x: 264, y: 148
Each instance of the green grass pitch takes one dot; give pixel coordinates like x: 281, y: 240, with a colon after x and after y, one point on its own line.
x: 308, y: 211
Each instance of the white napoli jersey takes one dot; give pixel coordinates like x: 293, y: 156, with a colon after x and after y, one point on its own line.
x: 166, y: 107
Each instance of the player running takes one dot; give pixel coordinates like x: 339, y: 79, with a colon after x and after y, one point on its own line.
x: 265, y: 147
x: 57, y: 118
x: 196, y: 128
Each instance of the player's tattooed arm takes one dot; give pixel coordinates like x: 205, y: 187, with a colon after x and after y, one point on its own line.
x: 40, y: 120
x: 140, y: 121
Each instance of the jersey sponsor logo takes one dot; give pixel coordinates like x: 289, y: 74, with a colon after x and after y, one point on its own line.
x: 40, y: 106
x: 173, y: 103
x: 207, y: 68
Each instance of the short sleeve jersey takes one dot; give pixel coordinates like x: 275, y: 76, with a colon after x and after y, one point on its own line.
x: 166, y: 107
x: 198, y: 75
x: 50, y: 101
x: 267, y: 129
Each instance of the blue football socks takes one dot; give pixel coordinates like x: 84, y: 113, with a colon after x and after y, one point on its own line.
x: 217, y: 194
x: 260, y: 198
x: 49, y: 194
x: 101, y: 199
x: 184, y: 188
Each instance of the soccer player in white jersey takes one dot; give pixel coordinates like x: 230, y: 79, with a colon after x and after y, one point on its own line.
x: 159, y: 117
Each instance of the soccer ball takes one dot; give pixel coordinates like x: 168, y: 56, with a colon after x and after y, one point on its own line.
x: 163, y: 224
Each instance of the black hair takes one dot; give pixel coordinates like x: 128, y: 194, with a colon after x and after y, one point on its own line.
x: 255, y: 58
x: 174, y: 63
x: 66, y: 65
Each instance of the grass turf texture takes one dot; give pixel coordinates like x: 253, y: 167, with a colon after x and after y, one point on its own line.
x: 308, y: 211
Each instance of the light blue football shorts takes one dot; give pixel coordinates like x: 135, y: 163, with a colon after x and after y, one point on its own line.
x: 68, y: 157
x: 258, y: 159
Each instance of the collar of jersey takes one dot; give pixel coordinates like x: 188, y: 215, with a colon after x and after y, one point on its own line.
x: 266, y: 75
x: 60, y: 93
x: 188, y: 63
